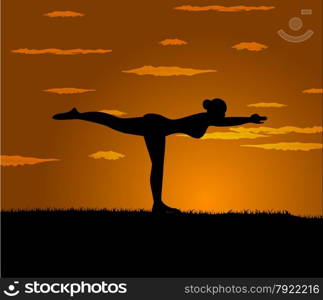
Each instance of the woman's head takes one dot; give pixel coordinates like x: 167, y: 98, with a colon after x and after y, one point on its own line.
x: 216, y: 108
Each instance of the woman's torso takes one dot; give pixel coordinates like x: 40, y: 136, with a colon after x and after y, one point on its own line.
x: 194, y: 125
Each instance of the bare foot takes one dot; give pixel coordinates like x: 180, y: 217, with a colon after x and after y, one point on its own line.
x: 165, y: 209
x: 72, y: 114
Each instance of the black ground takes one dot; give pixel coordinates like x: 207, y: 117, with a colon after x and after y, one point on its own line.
x: 92, y: 243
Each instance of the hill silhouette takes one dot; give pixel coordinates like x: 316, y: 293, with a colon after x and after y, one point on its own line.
x: 102, y: 243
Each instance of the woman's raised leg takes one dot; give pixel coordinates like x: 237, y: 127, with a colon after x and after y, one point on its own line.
x: 134, y: 126
x: 92, y: 116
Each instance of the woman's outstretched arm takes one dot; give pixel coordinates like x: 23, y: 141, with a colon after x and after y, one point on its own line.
x: 232, y: 121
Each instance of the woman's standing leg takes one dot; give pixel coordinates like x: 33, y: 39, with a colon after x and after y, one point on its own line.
x: 156, y: 148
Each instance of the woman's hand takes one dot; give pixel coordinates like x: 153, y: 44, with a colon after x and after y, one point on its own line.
x: 255, y: 118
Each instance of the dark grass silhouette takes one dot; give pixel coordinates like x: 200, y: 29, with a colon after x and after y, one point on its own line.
x: 102, y: 243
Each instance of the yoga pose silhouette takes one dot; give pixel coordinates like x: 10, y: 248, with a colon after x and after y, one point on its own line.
x: 154, y: 128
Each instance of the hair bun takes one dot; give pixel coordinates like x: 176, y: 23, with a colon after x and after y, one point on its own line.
x: 206, y: 104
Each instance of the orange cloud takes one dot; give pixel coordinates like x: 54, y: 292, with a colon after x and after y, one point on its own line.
x: 167, y: 71
x: 62, y: 91
x: 266, y: 104
x: 63, y: 14
x: 228, y: 135
x: 114, y: 112
x: 297, y: 146
x: 231, y: 135
x: 61, y: 51
x: 280, y: 130
x: 237, y: 133
x: 109, y: 155
x: 16, y: 160
x: 172, y: 42
x: 251, y: 46
x: 313, y: 91
x: 224, y: 8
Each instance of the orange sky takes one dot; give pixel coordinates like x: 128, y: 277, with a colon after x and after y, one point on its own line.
x: 166, y: 57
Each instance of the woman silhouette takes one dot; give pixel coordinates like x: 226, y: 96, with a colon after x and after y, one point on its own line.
x: 154, y: 128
